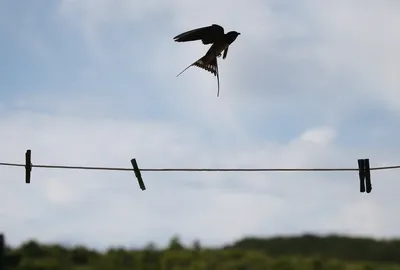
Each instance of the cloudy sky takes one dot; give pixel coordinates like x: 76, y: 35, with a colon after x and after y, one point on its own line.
x: 93, y: 82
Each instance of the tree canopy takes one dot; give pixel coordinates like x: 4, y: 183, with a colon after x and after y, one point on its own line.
x: 307, y: 252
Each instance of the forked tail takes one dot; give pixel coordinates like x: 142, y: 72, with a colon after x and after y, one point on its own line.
x: 212, y: 67
x: 200, y: 61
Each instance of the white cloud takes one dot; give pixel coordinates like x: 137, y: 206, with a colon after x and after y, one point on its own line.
x: 358, y: 39
x: 323, y: 135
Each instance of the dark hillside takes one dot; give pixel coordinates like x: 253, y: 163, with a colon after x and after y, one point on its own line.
x: 306, y: 252
x: 339, y: 247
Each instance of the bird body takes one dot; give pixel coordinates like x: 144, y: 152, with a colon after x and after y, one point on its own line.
x: 220, y: 41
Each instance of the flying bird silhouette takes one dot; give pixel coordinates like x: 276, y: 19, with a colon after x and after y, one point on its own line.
x: 220, y: 41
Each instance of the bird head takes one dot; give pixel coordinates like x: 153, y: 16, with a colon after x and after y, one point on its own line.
x: 232, y: 35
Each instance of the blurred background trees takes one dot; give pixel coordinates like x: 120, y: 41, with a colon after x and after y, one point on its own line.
x: 307, y: 252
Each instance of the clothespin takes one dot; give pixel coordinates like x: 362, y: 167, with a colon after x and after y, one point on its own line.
x: 138, y: 175
x: 364, y: 175
x: 28, y: 166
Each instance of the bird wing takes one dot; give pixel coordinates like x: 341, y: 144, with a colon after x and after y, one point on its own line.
x: 207, y: 35
x: 225, y: 53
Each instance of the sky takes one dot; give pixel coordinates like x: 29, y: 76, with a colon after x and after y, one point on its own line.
x: 307, y: 84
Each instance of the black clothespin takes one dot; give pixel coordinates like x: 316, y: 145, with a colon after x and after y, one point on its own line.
x: 28, y: 166
x: 138, y: 175
x: 364, y: 173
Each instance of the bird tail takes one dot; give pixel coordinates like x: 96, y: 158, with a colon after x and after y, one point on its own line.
x: 197, y: 62
x: 211, y: 66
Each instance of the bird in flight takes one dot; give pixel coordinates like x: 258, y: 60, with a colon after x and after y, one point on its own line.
x: 220, y: 41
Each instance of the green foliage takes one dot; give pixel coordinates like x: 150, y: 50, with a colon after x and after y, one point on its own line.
x: 343, y: 248
x: 291, y: 253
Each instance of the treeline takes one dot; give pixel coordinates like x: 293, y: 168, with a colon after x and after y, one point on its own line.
x: 338, y: 247
x: 306, y: 252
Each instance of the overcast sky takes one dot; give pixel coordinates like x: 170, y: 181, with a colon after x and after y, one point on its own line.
x: 93, y: 82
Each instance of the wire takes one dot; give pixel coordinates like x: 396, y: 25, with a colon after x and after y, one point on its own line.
x: 198, y: 169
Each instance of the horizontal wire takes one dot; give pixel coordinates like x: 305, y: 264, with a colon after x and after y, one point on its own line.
x: 198, y: 169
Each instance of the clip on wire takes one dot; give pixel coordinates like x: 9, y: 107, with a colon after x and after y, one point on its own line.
x: 28, y: 166
x: 364, y: 173
x: 137, y: 173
